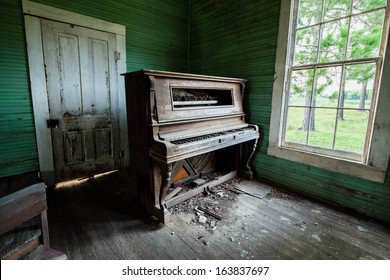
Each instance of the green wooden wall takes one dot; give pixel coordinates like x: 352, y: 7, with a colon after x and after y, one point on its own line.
x: 18, y: 150
x: 156, y: 38
x: 238, y: 38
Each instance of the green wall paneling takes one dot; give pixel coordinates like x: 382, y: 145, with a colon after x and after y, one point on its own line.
x: 17, y: 135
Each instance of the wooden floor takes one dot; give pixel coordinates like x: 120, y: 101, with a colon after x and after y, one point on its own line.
x: 96, y: 219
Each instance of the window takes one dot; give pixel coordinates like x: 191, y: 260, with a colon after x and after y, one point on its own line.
x: 330, y: 60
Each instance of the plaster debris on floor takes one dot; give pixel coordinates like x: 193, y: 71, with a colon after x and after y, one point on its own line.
x: 213, y: 207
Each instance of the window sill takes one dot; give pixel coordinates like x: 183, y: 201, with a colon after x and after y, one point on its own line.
x: 343, y: 166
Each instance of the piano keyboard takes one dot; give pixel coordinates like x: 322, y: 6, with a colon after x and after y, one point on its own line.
x: 216, y: 138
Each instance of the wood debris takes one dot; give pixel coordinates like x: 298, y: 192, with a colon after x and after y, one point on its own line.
x: 215, y: 204
x: 173, y: 193
x: 198, y: 182
x: 218, y: 217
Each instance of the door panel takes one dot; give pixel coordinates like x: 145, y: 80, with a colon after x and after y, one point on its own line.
x: 68, y: 75
x: 102, y: 143
x: 80, y: 74
x: 73, y: 144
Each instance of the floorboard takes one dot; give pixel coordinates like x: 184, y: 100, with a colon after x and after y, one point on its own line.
x: 97, y: 219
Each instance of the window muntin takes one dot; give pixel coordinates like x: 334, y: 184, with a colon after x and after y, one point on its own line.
x: 334, y: 53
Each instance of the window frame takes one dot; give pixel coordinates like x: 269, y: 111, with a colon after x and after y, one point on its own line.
x: 373, y: 166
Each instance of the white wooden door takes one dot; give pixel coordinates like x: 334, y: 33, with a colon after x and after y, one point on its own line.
x: 80, y: 65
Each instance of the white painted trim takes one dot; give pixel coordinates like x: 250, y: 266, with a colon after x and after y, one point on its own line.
x: 332, y: 164
x: 380, y: 141
x: 280, y: 74
x: 39, y: 97
x: 376, y: 168
x: 44, y: 11
x: 121, y: 46
x: 33, y: 13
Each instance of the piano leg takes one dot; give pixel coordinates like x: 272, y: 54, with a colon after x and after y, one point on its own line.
x: 245, y: 170
x: 161, y: 184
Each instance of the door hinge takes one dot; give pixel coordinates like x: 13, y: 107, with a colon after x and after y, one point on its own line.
x: 117, y: 55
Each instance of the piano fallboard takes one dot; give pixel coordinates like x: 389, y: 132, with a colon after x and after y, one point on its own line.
x: 185, y: 148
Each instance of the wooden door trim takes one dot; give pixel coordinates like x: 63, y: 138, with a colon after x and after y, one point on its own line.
x: 33, y: 14
x: 48, y: 12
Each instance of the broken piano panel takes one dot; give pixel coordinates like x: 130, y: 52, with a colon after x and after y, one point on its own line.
x: 180, y: 126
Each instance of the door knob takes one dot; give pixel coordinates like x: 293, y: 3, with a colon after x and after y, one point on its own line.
x: 52, y: 123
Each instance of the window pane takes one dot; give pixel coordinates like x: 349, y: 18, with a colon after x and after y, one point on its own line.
x: 300, y: 87
x: 306, y: 45
x: 365, y: 35
x: 358, y: 85
x: 366, y: 5
x: 327, y: 86
x: 309, y: 12
x: 323, y: 133
x: 294, y: 131
x: 356, y: 121
x: 333, y: 41
x: 336, y: 8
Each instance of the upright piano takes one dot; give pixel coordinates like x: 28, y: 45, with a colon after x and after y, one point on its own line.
x: 179, y: 127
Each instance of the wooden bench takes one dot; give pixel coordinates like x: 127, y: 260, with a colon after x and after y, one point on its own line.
x: 23, y: 225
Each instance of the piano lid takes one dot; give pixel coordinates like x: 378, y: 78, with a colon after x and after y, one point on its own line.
x: 157, y: 73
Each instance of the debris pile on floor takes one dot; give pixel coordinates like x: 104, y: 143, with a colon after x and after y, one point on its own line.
x: 212, y: 206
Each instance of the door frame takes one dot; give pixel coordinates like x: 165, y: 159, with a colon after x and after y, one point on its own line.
x: 33, y: 12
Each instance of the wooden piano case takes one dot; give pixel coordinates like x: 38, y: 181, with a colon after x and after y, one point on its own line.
x: 180, y: 127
